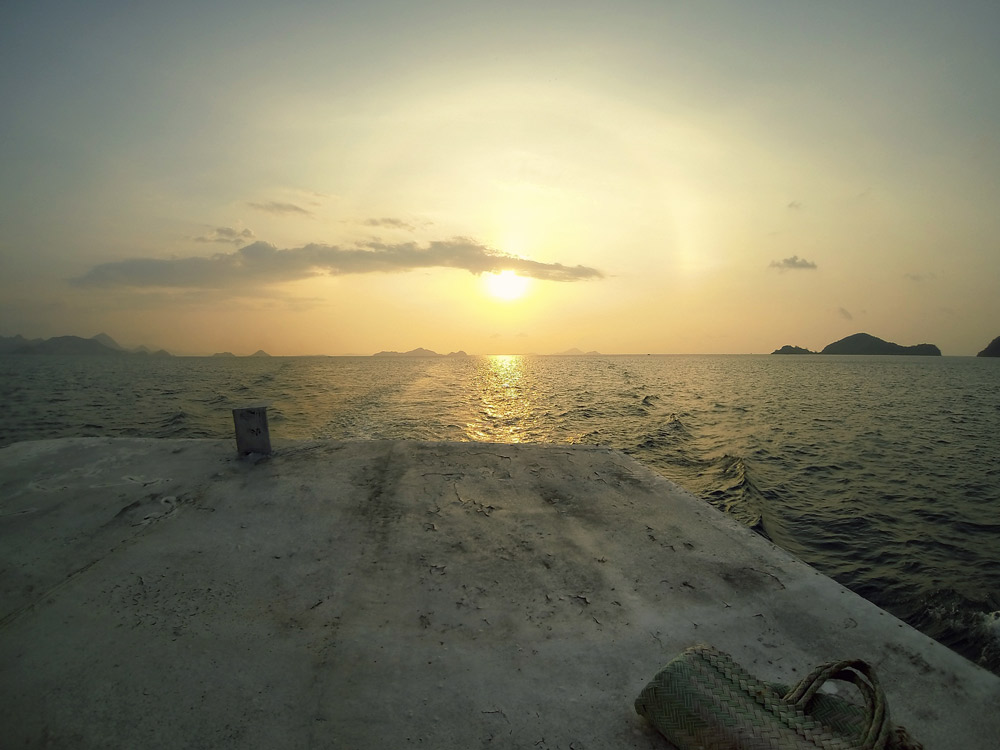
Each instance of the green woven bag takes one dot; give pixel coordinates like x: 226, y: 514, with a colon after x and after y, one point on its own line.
x: 703, y: 700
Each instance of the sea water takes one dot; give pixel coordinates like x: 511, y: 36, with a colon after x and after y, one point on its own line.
x: 881, y: 472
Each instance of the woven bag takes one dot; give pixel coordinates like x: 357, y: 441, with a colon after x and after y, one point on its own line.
x: 703, y: 700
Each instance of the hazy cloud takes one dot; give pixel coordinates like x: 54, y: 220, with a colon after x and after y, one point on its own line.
x: 795, y: 205
x: 391, y: 223
x: 793, y: 263
x: 918, y: 277
x: 227, y: 235
x: 263, y: 263
x: 274, y: 207
x: 845, y: 313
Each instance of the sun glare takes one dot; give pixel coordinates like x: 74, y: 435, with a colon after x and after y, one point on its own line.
x: 506, y: 285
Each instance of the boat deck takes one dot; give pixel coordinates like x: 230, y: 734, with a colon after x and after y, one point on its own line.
x: 165, y: 593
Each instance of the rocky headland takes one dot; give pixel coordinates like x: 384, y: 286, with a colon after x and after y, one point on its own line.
x: 992, y: 349
x: 864, y: 343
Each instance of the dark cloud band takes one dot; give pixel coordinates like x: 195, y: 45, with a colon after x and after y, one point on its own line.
x: 227, y: 235
x: 262, y: 263
x: 794, y: 263
x: 274, y: 207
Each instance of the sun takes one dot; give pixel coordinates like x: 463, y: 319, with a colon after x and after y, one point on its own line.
x: 506, y: 285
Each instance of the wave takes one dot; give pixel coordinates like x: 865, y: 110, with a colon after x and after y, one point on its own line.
x: 736, y: 492
x: 963, y: 623
x: 181, y: 424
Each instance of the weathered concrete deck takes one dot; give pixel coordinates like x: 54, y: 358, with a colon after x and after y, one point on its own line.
x: 384, y: 594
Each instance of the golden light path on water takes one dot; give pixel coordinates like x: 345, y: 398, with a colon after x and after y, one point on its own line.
x: 507, y: 408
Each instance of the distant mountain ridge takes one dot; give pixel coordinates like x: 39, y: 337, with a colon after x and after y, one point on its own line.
x: 100, y: 345
x: 419, y: 352
x: 864, y: 343
x: 103, y: 338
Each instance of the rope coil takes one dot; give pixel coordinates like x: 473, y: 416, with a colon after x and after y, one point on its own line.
x: 703, y: 699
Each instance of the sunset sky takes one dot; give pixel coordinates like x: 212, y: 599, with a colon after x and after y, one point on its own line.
x: 334, y: 178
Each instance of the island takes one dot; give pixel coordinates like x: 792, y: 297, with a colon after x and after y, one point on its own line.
x: 992, y: 349
x: 420, y: 352
x: 228, y: 355
x: 101, y: 345
x: 864, y: 343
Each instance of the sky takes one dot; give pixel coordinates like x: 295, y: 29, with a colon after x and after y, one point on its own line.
x: 627, y: 177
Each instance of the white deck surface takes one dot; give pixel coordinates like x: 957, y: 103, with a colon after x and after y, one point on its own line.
x: 387, y: 594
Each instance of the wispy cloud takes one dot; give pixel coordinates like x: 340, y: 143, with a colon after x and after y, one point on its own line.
x: 390, y: 223
x: 795, y: 263
x: 227, y: 235
x: 262, y: 263
x: 275, y: 207
x: 795, y: 205
x: 845, y: 313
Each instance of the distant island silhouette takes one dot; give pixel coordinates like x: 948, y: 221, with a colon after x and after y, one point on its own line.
x: 419, y: 352
x: 992, y: 349
x: 258, y: 353
x: 101, y: 345
x: 789, y: 349
x: 864, y: 343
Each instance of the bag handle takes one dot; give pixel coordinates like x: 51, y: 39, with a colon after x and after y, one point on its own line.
x: 875, y: 735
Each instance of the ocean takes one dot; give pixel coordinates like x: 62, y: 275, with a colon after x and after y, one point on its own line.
x: 881, y: 472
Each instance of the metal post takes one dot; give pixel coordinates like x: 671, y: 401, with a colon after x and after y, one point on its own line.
x: 252, y: 435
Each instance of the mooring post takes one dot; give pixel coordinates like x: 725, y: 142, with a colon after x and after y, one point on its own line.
x: 252, y: 435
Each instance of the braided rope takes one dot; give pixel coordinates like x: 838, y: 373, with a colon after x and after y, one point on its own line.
x: 704, y: 699
x: 735, y: 683
x: 861, y: 675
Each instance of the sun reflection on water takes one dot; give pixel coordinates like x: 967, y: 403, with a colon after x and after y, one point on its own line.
x: 506, y: 408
